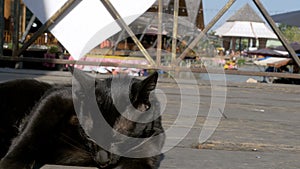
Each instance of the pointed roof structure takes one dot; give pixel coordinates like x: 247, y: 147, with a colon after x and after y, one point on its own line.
x: 245, y: 23
x: 247, y: 14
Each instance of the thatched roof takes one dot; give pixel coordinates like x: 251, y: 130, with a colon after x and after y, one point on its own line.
x: 245, y: 23
x: 246, y: 13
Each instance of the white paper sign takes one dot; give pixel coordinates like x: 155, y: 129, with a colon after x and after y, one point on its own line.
x: 88, y: 22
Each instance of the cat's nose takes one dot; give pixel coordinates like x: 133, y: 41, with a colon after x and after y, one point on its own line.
x: 102, y: 158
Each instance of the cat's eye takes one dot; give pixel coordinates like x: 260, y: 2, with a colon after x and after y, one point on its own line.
x: 147, y: 107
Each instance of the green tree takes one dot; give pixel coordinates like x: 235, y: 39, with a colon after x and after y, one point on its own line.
x: 292, y: 33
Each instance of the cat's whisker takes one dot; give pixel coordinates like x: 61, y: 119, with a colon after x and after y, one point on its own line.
x: 66, y: 139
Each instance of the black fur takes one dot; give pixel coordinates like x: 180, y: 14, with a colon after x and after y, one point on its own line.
x: 42, y: 122
x: 39, y: 126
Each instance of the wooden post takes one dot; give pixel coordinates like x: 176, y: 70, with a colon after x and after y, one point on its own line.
x: 1, y: 26
x: 7, y: 7
x: 159, y: 34
x: 16, y: 28
x: 23, y: 18
x: 206, y: 29
x: 279, y: 34
x: 175, y: 32
x: 46, y: 25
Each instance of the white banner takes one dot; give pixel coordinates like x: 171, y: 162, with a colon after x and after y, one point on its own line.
x: 88, y: 23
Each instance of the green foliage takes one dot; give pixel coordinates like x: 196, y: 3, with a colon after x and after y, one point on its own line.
x: 292, y: 33
x: 241, y: 62
x: 53, y: 49
x: 9, y: 45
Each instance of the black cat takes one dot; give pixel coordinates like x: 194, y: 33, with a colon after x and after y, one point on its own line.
x: 127, y: 107
x: 49, y: 131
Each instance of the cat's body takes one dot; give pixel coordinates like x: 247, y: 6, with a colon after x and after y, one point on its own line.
x: 42, y: 120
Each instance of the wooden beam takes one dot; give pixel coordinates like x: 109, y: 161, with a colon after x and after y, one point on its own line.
x: 77, y: 62
x: 165, y: 68
x: 25, y: 33
x: 277, y: 31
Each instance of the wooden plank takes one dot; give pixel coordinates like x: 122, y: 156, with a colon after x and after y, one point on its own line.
x: 65, y: 167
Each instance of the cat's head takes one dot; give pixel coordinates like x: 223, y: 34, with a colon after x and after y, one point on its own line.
x: 127, y: 108
x: 119, y: 95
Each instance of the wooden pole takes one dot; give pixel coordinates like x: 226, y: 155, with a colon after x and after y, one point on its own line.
x: 23, y: 18
x: 175, y: 32
x: 46, y: 25
x: 277, y: 31
x: 16, y: 28
x: 115, y: 14
x: 159, y: 34
x: 25, y: 33
x: 206, y: 29
x: 1, y: 26
x: 7, y: 7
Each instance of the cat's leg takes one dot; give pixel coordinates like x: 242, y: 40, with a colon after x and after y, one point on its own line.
x: 38, y: 132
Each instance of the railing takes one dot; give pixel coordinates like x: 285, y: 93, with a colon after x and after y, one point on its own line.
x: 165, y: 68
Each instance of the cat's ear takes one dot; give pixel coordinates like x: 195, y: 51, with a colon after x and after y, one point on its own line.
x: 142, y: 89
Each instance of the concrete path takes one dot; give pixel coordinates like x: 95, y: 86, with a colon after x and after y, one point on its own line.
x: 259, y: 127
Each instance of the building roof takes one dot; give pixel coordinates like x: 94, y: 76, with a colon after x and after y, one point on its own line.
x: 289, y: 18
x: 245, y: 29
x: 246, y: 13
x: 245, y: 23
